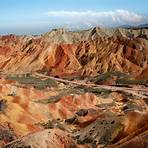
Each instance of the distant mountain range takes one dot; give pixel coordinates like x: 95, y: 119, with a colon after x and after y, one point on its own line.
x: 141, y: 26
x: 145, y: 26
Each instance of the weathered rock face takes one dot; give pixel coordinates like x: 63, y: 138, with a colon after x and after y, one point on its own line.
x: 64, y: 53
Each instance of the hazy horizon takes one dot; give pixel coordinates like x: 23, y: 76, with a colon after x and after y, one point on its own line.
x: 39, y: 16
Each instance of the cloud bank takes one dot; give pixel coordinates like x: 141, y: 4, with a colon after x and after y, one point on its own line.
x: 95, y: 18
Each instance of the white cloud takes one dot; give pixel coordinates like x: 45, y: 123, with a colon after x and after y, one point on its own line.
x: 93, y: 18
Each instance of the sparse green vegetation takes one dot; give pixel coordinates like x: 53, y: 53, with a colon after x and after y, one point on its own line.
x: 96, y: 91
x: 130, y: 82
x: 12, y: 94
x: 47, y: 125
x: 121, y: 78
x: 3, y: 105
x: 50, y: 124
x: 54, y: 99
x: 31, y: 80
x: 7, y: 134
x: 76, y: 90
x: 106, y: 76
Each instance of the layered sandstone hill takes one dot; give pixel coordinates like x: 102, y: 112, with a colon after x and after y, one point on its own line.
x: 87, y: 52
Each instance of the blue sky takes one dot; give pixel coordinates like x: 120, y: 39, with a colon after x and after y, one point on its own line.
x: 38, y: 16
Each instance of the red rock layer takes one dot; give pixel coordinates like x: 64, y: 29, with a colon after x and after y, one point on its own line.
x: 100, y: 55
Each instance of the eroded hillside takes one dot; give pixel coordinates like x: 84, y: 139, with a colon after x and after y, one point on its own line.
x: 62, y: 53
x: 64, y: 89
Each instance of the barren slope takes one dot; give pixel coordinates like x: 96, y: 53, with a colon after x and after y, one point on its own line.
x: 63, y: 53
x: 65, y: 89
